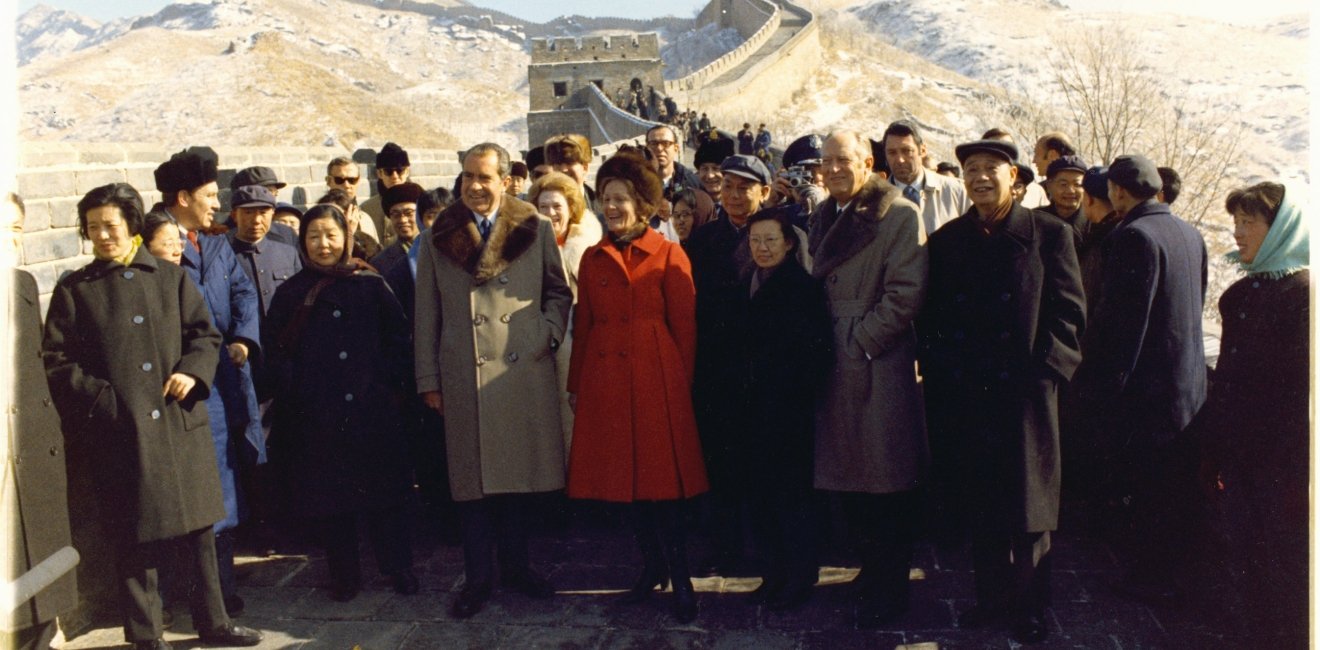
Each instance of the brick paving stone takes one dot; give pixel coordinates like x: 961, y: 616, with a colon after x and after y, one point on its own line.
x: 453, y: 636
x: 367, y: 635
x: 657, y: 640
x: 559, y: 638
x: 850, y: 640
x: 755, y: 640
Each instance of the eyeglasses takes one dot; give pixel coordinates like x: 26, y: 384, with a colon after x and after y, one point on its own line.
x: 346, y: 180
x: 403, y: 214
x: 768, y: 242
x: 392, y: 171
x: 660, y: 144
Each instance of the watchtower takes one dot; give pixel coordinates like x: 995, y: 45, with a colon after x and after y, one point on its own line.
x: 561, y: 66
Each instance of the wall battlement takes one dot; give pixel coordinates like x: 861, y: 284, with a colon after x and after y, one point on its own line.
x: 595, y: 48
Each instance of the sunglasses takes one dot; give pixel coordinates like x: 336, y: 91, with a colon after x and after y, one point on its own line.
x: 341, y: 180
x: 392, y: 171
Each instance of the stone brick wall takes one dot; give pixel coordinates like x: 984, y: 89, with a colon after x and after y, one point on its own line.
x: 615, y: 61
x: 757, y: 20
x: 773, y: 79
x: 53, y: 176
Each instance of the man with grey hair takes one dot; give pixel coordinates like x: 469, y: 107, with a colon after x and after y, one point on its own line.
x: 491, y: 308
x: 867, y: 244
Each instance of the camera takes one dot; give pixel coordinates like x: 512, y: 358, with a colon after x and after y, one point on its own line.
x: 797, y: 176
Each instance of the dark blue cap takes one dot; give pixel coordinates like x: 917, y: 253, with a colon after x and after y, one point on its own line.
x: 252, y: 196
x: 1096, y: 182
x: 1136, y: 174
x: 288, y: 207
x: 1006, y: 150
x: 806, y: 150
x: 749, y: 167
x: 256, y: 176
x: 1066, y: 163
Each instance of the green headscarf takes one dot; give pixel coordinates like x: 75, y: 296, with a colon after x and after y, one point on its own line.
x: 1287, y: 245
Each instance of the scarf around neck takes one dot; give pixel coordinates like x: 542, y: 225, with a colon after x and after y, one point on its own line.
x: 1287, y: 245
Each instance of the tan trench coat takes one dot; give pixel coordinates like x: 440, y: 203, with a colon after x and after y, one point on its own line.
x: 870, y: 424
x: 485, y: 319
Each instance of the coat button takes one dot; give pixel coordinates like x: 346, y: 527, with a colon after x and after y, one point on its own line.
x: 1005, y: 296
x: 146, y: 366
x: 128, y: 275
x: 1233, y: 350
x: 962, y: 297
x: 624, y: 318
x: 602, y: 354
x: 343, y: 355
x: 479, y: 320
x: 604, y: 282
x: 1242, y: 315
x: 155, y: 414
x: 348, y: 397
x: 1255, y: 285
x: 504, y: 279
x: 45, y: 401
x: 958, y: 335
x: 336, y: 313
x: 54, y: 451
x: 138, y: 320
x: 1003, y: 375
x: 513, y: 357
x: 505, y: 318
x: 623, y: 353
x: 481, y: 360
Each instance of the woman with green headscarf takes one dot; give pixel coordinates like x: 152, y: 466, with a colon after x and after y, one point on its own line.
x: 1256, y: 418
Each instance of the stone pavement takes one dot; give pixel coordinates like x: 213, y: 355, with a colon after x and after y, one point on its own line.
x: 591, y: 562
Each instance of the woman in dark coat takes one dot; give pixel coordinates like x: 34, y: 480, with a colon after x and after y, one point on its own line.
x: 1255, y: 421
x: 130, y: 355
x: 634, y: 341
x: 336, y: 344
x: 789, y: 346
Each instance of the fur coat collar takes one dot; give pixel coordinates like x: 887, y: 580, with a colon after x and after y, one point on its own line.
x: 455, y: 235
x: 836, y: 238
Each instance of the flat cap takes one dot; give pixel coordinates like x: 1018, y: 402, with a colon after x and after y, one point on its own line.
x: 1006, y: 150
x: 1066, y: 163
x: 1136, y: 174
x: 401, y: 193
x: 1096, y: 182
x: 1026, y: 175
x: 288, y: 207
x: 187, y: 170
x: 256, y: 176
x: 252, y: 196
x: 749, y: 167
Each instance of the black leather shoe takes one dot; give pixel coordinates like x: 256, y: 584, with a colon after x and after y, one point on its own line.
x: 158, y: 644
x: 1029, y: 629
x: 685, y: 601
x: 646, y: 584
x: 405, y: 582
x: 980, y: 616
x: 234, y: 605
x: 791, y: 596
x: 528, y: 583
x: 767, y: 592
x: 470, y: 601
x: 232, y: 636
x: 342, y: 592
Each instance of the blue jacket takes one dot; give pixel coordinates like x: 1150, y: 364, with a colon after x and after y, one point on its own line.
x: 267, y: 263
x: 232, y: 300
x: 1145, y: 364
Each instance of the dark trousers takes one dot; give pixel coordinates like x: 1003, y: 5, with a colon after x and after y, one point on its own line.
x: 387, y: 530
x: 36, y: 637
x: 140, y: 586
x: 882, y: 528
x: 784, y: 523
x: 1012, y: 572
x: 491, y: 524
x: 224, y: 562
x: 1167, y: 510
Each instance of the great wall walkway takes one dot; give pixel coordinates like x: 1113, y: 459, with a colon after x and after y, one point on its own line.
x: 590, y: 562
x: 791, y: 21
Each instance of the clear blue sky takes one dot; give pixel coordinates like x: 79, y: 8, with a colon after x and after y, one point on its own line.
x: 534, y: 10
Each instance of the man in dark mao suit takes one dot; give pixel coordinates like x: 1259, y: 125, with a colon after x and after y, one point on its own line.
x: 999, y: 333
x: 1145, y: 374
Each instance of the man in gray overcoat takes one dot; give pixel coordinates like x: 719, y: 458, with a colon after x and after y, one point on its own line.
x: 868, y: 247
x: 491, y: 308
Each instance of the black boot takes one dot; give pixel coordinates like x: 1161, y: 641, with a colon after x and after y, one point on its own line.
x: 654, y: 570
x: 671, y: 524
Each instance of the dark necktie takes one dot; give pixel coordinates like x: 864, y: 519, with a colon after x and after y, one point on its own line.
x: 910, y: 193
x: 484, y: 227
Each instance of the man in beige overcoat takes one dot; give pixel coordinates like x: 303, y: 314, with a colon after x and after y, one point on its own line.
x: 492, y: 307
x: 868, y: 248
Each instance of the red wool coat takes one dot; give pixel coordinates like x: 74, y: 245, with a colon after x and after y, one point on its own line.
x: 634, y: 342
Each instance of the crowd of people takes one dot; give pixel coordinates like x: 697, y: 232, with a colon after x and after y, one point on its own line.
x: 932, y: 352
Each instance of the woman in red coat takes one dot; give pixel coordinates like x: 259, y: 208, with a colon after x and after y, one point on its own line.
x: 634, y: 341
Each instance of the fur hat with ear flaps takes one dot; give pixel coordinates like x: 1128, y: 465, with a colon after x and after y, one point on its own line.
x: 637, y: 171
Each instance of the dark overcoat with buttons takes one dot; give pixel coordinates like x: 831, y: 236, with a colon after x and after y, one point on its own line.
x: 1145, y: 365
x: 485, y: 318
x: 267, y: 263
x: 338, y: 373
x: 35, y: 507
x: 113, y: 336
x: 235, y: 420
x: 999, y: 332
x: 870, y: 428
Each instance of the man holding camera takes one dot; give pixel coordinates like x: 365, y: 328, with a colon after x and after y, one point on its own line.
x: 800, y: 185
